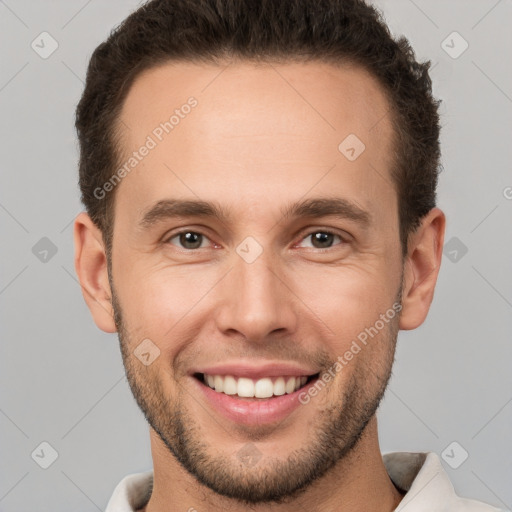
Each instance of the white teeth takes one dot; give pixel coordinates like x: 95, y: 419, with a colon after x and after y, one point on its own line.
x: 263, y: 388
x: 219, y: 383
x: 279, y: 387
x: 230, y: 387
x: 249, y: 388
x: 245, y: 388
x: 290, y: 385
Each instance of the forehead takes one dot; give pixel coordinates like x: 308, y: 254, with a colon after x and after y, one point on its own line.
x: 253, y: 129
x: 329, y: 98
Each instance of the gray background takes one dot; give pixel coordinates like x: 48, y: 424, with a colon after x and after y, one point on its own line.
x: 62, y: 380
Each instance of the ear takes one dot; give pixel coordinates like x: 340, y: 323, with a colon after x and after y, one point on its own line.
x: 423, y: 260
x: 91, y: 268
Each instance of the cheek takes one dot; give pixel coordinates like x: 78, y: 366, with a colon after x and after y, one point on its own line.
x: 347, y: 299
x: 156, y: 301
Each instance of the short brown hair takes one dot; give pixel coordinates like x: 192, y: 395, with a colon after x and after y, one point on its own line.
x: 334, y: 31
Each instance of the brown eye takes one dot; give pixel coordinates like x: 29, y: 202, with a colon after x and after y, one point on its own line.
x: 188, y: 239
x: 322, y: 239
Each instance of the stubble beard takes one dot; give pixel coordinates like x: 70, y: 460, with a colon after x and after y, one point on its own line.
x: 335, y: 434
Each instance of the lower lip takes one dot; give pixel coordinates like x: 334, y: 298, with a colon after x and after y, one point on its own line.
x: 253, y: 412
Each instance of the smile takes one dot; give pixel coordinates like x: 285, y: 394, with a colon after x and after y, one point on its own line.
x: 265, y: 387
x: 252, y: 400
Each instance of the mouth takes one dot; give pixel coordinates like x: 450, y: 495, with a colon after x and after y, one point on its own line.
x: 254, y: 393
x: 250, y: 389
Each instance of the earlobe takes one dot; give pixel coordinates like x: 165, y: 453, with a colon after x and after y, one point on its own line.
x: 91, y: 269
x: 422, y: 265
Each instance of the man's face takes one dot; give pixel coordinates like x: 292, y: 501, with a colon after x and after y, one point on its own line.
x: 257, y: 293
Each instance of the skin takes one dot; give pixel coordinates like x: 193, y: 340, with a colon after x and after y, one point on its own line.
x: 261, y: 137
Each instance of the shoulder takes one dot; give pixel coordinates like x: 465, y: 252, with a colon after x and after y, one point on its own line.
x: 131, y: 493
x: 427, y: 485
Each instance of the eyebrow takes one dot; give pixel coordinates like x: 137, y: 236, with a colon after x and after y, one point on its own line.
x: 328, y: 207
x: 315, y: 208
x: 171, y: 208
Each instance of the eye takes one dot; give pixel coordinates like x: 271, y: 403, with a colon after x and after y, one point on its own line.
x: 322, y: 239
x: 189, y: 240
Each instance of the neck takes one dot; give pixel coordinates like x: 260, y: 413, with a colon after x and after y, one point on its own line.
x: 357, y: 482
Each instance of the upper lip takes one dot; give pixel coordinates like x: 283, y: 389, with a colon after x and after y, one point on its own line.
x: 256, y: 371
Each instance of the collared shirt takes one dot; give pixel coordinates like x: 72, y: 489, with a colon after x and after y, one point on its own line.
x: 420, y: 475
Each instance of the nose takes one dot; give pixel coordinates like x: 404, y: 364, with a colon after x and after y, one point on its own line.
x: 257, y: 301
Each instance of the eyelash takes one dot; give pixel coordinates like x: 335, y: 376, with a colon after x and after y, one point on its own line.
x: 306, y: 235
